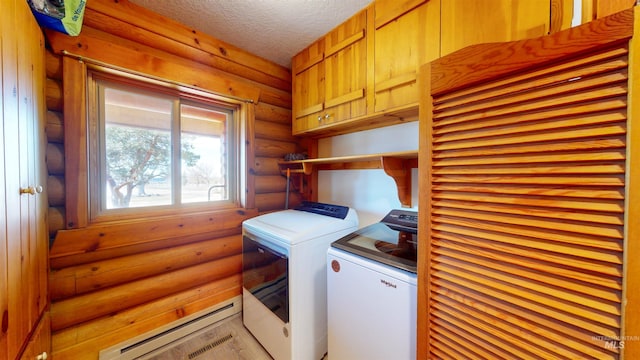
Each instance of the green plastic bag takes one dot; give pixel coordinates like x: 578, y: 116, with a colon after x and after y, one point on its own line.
x: 64, y: 16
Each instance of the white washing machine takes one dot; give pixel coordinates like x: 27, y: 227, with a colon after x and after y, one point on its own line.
x: 372, y: 294
x: 284, y: 277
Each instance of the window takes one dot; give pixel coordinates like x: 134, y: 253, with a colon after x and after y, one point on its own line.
x: 155, y: 148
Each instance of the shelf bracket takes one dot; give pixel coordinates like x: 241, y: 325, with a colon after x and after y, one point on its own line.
x: 400, y: 170
x: 307, y: 168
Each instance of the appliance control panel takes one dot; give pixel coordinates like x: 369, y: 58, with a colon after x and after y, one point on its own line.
x: 336, y: 211
x: 402, y: 220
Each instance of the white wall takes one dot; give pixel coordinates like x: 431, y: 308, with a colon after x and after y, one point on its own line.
x: 372, y: 193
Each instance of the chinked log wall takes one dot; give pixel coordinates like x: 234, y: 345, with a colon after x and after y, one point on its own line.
x: 111, y: 282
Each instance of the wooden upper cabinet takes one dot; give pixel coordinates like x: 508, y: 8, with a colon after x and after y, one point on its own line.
x: 407, y: 35
x: 330, y: 77
x: 467, y: 22
x: 346, y: 69
x: 308, y: 86
x: 363, y: 74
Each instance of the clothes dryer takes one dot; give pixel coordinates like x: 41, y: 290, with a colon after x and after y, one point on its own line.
x: 284, y: 277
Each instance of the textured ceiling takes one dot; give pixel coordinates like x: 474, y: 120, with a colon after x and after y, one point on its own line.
x: 273, y: 29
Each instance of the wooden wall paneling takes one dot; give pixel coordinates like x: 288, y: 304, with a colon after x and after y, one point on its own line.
x: 631, y: 322
x: 62, y: 262
x: 526, y: 213
x: 53, y: 65
x: 90, y: 45
x: 269, y: 184
x: 127, y: 233
x: 55, y: 96
x: 55, y: 158
x: 248, y: 198
x: 276, y: 150
x: 55, y: 127
x: 273, y: 148
x: 104, y: 22
x: 89, y: 306
x: 276, y: 114
x: 265, y: 165
x: 276, y: 201
x: 96, y: 275
x: 75, y: 154
x: 56, y: 190
x: 266, y: 129
x: 274, y: 96
x: 139, y: 18
x: 88, y: 338
x: 149, y: 44
x: 56, y: 217
x: 272, y: 123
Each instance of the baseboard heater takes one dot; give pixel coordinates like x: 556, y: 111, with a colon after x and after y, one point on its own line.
x: 143, y: 344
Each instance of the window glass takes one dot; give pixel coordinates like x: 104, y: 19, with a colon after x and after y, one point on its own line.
x: 203, y: 154
x: 155, y: 148
x: 137, y: 150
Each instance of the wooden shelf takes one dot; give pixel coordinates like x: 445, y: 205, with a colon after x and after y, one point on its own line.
x: 398, y: 165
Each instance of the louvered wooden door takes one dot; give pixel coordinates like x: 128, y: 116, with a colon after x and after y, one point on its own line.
x: 524, y: 238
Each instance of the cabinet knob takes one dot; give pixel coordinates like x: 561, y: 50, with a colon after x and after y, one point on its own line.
x: 319, y: 118
x: 327, y: 116
x: 32, y: 190
x: 42, y: 356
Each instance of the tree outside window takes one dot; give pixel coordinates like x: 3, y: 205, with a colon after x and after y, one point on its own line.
x: 159, y: 150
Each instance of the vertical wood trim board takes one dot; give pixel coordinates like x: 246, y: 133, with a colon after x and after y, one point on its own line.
x: 526, y: 204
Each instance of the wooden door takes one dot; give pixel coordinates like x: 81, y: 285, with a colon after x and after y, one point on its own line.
x: 4, y: 290
x: 529, y: 182
x: 24, y: 256
x: 307, y: 69
x: 407, y: 35
x: 467, y: 22
x: 15, y: 316
x: 346, y: 70
x: 40, y: 342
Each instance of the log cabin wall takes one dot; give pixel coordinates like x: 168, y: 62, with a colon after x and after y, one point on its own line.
x: 113, y: 281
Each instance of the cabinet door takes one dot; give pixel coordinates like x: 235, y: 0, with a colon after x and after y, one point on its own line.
x: 407, y: 34
x: 346, y: 70
x: 467, y: 22
x: 308, y: 87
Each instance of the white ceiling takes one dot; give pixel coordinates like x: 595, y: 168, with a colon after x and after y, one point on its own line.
x: 273, y: 29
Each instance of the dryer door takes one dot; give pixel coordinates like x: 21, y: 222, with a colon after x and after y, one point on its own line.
x: 265, y: 273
